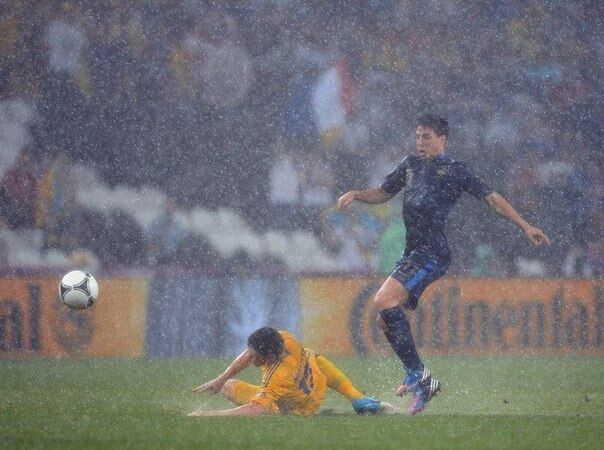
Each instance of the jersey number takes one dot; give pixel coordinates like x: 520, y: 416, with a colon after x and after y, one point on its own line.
x: 307, y: 383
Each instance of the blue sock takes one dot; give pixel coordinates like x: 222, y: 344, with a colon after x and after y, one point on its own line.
x: 398, y: 333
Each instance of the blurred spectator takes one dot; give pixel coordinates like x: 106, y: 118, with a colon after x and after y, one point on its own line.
x: 284, y: 191
x: 111, y: 64
x: 125, y: 244
x: 18, y: 192
x: 351, y: 153
x: 251, y: 306
x: 522, y: 181
x: 594, y: 253
x: 9, y: 38
x: 85, y: 260
x: 382, y: 163
x: 265, y: 37
x: 332, y: 98
x: 217, y: 64
x: 92, y: 234
x: 317, y: 188
x: 241, y: 264
x: 595, y: 258
x: 353, y: 239
x: 195, y: 252
x: 530, y: 267
x: 215, y: 73
x: 298, y: 122
x: 62, y: 105
x: 272, y: 264
x: 165, y: 235
x: 500, y: 130
x: 55, y: 203
x: 485, y: 262
x: 566, y: 210
x: 576, y: 263
x: 65, y: 39
x: 4, y: 262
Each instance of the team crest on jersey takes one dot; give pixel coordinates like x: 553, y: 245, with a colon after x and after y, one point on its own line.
x: 441, y: 172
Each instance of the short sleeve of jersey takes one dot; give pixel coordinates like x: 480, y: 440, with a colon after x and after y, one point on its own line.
x: 473, y: 184
x: 396, y: 179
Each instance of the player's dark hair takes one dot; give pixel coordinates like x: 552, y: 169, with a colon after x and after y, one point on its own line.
x: 438, y: 123
x: 267, y: 342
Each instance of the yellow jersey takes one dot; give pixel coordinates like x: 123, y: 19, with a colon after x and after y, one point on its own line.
x: 294, y: 384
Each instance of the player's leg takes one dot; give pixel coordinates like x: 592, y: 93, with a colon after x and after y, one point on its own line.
x: 239, y: 392
x: 338, y: 381
x: 404, y: 288
x: 395, y: 325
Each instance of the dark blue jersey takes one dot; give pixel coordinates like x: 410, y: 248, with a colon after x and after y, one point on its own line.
x: 431, y: 189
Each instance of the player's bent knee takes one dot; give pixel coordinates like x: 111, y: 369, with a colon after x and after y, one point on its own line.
x: 384, y: 301
x: 391, y: 294
x: 229, y: 388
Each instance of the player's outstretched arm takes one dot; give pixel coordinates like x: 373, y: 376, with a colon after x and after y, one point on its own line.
x: 503, y: 208
x: 214, y: 386
x: 249, y: 409
x: 377, y: 195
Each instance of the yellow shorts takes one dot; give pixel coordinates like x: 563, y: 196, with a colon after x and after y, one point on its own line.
x: 244, y: 393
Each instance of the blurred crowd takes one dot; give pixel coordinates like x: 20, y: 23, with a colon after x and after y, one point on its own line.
x: 275, y: 108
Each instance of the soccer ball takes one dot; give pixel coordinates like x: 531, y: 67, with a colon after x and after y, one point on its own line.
x: 78, y: 289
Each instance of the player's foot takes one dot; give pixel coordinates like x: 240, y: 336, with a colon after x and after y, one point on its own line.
x: 369, y: 405
x: 411, y: 381
x: 427, y: 388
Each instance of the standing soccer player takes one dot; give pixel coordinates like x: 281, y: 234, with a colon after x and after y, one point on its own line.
x: 432, y: 184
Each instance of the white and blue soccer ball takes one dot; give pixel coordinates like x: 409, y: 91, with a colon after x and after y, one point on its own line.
x: 78, y: 289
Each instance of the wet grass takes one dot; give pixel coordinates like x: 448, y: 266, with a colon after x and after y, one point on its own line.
x: 496, y: 402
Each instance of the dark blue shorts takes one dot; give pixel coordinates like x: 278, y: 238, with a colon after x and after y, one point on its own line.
x: 416, y: 271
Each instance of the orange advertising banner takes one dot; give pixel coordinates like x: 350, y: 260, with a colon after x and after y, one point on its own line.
x: 459, y: 316
x: 34, y: 321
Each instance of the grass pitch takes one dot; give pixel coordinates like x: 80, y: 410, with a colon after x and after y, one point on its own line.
x: 486, y: 402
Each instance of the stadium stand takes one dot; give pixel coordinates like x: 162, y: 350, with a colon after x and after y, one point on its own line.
x: 224, y: 229
x: 133, y: 104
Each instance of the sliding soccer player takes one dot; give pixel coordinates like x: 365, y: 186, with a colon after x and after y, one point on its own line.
x: 294, y: 380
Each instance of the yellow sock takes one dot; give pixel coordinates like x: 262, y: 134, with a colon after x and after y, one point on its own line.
x: 337, y: 380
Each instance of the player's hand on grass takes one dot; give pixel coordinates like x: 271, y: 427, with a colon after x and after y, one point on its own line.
x: 536, y: 236
x: 345, y: 200
x: 213, y: 387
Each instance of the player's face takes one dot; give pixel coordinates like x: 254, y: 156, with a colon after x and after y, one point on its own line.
x: 257, y: 360
x: 428, y: 143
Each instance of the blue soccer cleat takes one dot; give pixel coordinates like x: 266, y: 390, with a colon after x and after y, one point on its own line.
x: 369, y: 405
x: 426, y: 388
x: 411, y: 382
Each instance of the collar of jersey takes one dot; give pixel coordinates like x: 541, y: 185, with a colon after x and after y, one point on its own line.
x: 440, y: 157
